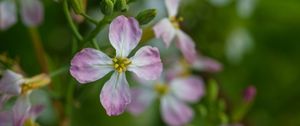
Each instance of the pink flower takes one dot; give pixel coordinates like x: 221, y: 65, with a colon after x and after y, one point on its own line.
x: 168, y: 29
x: 21, y: 112
x: 249, y: 93
x: 10, y: 83
x: 32, y: 12
x: 90, y: 65
x: 8, y: 14
x: 174, y: 96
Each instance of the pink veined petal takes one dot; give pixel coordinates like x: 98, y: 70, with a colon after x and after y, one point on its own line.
x: 172, y: 7
x: 165, y: 30
x: 10, y: 83
x: 124, y: 35
x: 35, y: 111
x: 20, y: 110
x: 141, y: 99
x: 115, y: 94
x: 8, y: 15
x: 89, y: 65
x: 6, y: 118
x: 32, y: 12
x: 146, y: 63
x: 186, y: 46
x: 207, y: 64
x: 189, y: 89
x: 175, y: 112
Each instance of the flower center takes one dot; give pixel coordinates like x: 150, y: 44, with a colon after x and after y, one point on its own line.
x: 120, y: 64
x: 175, y: 21
x: 161, y: 89
x: 35, y: 83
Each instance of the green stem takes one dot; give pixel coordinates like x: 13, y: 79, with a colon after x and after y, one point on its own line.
x: 70, y: 21
x: 38, y: 48
x: 90, y: 19
x: 59, y: 71
x: 95, y: 44
x: 95, y: 32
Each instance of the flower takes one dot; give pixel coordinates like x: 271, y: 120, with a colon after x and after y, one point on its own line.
x: 168, y: 28
x: 13, y: 84
x: 173, y: 95
x: 8, y: 15
x: 32, y: 13
x: 21, y: 113
x: 90, y: 65
x: 249, y: 93
x: 202, y: 64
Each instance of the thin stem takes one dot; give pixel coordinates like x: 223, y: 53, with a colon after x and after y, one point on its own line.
x: 38, y: 48
x: 94, y: 33
x: 95, y: 44
x: 59, y: 71
x: 90, y: 19
x: 70, y: 21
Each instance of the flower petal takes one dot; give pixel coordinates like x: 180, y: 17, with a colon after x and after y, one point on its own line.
x: 8, y: 15
x: 124, y: 35
x: 10, y: 83
x: 165, y: 30
x: 172, y: 7
x: 35, y: 111
x: 189, y: 89
x: 175, y: 112
x: 90, y: 65
x: 3, y: 99
x: 146, y: 63
x: 207, y: 64
x: 115, y: 94
x: 32, y: 12
x: 20, y: 110
x: 187, y: 46
x: 141, y: 99
x: 6, y: 118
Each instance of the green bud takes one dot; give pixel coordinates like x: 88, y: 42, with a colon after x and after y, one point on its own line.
x: 223, y: 118
x: 146, y: 16
x: 202, y: 110
x: 78, y: 6
x: 121, y: 5
x: 212, y: 90
x: 107, y: 6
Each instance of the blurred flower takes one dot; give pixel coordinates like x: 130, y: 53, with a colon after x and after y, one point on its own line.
x: 168, y: 28
x: 249, y: 93
x: 245, y: 8
x: 238, y: 44
x: 8, y: 15
x: 174, y: 96
x: 22, y: 113
x: 202, y: 63
x: 14, y: 84
x: 32, y: 12
x: 90, y: 65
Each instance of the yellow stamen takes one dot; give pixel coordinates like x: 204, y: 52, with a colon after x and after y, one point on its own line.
x: 161, y: 89
x: 121, y: 64
x: 35, y: 83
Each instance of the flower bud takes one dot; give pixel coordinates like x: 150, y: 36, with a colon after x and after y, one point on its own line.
x: 32, y: 12
x: 212, y: 90
x: 146, y: 16
x: 121, y: 5
x: 78, y: 6
x: 249, y: 93
x: 107, y: 6
x: 8, y: 15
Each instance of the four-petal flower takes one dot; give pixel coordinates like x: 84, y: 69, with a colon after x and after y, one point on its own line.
x: 90, y: 65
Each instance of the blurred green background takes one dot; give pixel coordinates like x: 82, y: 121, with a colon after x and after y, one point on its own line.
x: 269, y: 60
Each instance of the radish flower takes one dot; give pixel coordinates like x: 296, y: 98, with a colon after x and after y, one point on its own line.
x: 168, y: 29
x: 174, y: 96
x: 90, y: 65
